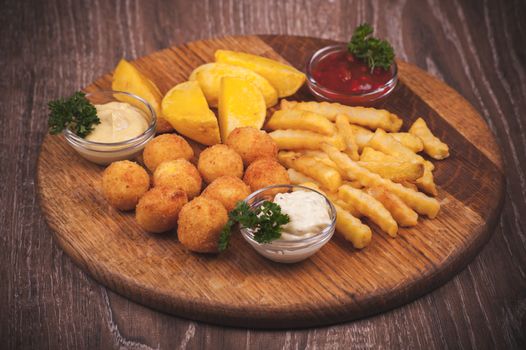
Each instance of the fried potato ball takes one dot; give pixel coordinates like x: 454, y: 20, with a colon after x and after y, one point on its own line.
x: 228, y: 190
x: 158, y: 210
x: 178, y: 173
x: 123, y: 183
x: 166, y: 147
x: 265, y: 172
x: 252, y: 144
x: 200, y: 224
x: 219, y: 160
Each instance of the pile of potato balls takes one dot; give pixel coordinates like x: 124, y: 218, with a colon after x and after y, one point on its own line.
x: 172, y: 196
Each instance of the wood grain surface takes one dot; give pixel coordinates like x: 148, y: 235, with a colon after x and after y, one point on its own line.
x: 239, y: 287
x: 50, y: 49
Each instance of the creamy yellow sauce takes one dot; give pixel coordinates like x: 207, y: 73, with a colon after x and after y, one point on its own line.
x: 308, y: 213
x: 119, y: 121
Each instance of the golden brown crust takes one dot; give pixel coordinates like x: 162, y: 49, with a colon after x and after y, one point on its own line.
x: 200, y: 224
x: 179, y: 173
x: 251, y: 144
x: 219, y: 160
x: 228, y: 190
x: 158, y: 210
x: 123, y: 184
x: 265, y: 172
x: 166, y: 147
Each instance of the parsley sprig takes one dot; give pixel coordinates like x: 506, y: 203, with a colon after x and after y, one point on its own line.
x: 376, y: 52
x: 265, y: 220
x: 76, y: 113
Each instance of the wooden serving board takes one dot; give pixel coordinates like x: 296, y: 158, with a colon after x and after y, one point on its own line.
x: 242, y: 288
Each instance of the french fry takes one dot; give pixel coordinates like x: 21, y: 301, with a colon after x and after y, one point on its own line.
x: 432, y: 144
x: 409, y: 185
x: 383, y: 142
x: 323, y: 158
x: 426, y: 183
x: 303, y: 139
x: 371, y: 118
x: 345, y: 131
x: 419, y: 202
x: 326, y: 176
x: 409, y: 140
x: 395, y: 171
x: 370, y: 207
x: 302, y: 120
x: 352, y: 229
x: 297, y: 178
x: 403, y: 215
x: 361, y: 135
x: 353, y: 183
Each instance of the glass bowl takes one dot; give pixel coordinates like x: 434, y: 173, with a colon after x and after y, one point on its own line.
x: 106, y: 153
x: 294, y: 250
x: 356, y: 99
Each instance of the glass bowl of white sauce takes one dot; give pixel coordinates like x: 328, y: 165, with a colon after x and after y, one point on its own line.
x: 309, y: 228
x: 127, y: 125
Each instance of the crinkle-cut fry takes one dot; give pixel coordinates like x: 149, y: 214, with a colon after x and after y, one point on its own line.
x: 303, y: 139
x: 369, y: 207
x: 325, y: 159
x: 361, y: 135
x: 297, y: 177
x: 369, y: 154
x: 353, y: 183
x: 345, y: 131
x: 395, y: 171
x: 403, y: 215
x: 302, y: 120
x: 409, y: 185
x: 326, y: 176
x: 432, y: 144
x: 427, y: 183
x: 383, y: 142
x: 352, y: 229
x: 409, y: 140
x: 369, y: 117
x: 419, y: 202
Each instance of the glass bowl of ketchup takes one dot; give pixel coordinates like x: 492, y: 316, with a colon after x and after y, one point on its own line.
x: 334, y: 74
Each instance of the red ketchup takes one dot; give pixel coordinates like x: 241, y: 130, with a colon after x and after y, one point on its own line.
x: 341, y: 72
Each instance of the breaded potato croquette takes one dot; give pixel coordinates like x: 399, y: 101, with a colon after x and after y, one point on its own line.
x: 228, y: 190
x: 123, y: 183
x: 158, y: 210
x: 252, y: 144
x: 200, y: 224
x: 265, y: 172
x: 166, y: 147
x: 219, y: 160
x: 179, y: 173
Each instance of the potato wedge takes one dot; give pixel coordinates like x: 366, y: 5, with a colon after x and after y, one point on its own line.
x: 419, y: 202
x: 369, y: 207
x: 395, y: 171
x: 185, y: 108
x: 369, y: 117
x: 403, y: 215
x: 241, y: 103
x: 303, y: 139
x: 301, y: 120
x: 326, y: 176
x: 352, y: 229
x: 432, y: 144
x: 127, y: 78
x: 285, y: 79
x: 346, y: 132
x: 209, y: 76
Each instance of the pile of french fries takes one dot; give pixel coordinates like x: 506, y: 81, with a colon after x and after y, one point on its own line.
x: 360, y: 160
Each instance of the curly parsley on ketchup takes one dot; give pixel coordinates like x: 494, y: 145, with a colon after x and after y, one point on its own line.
x: 362, y: 68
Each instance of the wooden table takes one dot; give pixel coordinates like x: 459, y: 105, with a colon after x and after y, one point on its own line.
x: 50, y: 49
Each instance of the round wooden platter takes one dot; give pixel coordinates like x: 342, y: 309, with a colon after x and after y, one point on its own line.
x: 240, y: 287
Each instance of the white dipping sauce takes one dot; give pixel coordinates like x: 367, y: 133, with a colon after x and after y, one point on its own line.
x: 308, y: 212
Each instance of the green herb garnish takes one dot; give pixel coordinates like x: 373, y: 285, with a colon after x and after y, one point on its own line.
x: 376, y: 52
x: 76, y: 113
x: 266, y: 221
